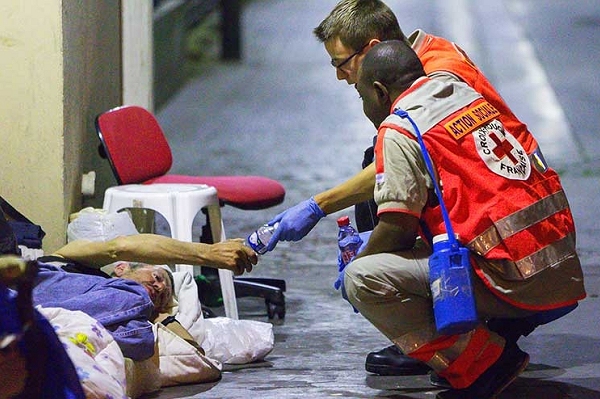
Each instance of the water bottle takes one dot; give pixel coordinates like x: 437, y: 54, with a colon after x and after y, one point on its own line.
x: 348, y: 241
x: 260, y: 238
x: 451, y: 288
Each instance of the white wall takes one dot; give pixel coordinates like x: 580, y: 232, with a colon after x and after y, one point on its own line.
x: 60, y: 65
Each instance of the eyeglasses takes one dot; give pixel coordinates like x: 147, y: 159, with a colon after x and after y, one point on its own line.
x: 344, y: 62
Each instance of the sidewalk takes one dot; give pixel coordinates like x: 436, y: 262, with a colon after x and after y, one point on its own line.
x: 281, y: 113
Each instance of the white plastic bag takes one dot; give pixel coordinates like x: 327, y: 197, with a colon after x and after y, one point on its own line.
x: 100, y: 225
x: 237, y: 341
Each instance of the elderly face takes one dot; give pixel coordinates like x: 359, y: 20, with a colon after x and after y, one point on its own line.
x: 155, y: 280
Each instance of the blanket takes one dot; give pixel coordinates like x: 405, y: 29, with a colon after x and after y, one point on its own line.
x: 224, y: 339
x: 104, y: 372
x: 122, y: 306
x: 98, y: 359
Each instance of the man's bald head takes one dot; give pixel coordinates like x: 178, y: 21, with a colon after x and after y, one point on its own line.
x: 393, y: 63
x: 387, y: 70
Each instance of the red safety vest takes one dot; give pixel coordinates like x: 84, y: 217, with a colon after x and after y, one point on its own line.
x: 505, y: 204
x: 440, y: 55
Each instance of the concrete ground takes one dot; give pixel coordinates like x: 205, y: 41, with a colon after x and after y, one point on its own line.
x: 282, y: 114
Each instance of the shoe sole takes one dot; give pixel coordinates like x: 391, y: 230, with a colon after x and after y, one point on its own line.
x: 395, y: 371
x: 511, y: 378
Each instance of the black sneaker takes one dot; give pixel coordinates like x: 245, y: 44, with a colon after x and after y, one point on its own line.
x: 391, y: 361
x: 495, y: 379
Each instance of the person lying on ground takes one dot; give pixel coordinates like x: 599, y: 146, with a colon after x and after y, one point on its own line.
x: 139, y: 289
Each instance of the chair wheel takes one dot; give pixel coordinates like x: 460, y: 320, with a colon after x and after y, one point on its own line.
x: 275, y: 309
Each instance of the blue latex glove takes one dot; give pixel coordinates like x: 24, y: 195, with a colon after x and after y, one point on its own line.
x: 339, y: 285
x: 295, y: 222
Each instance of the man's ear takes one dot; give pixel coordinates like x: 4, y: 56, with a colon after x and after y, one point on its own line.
x: 382, y: 92
x: 120, y: 269
x: 372, y: 43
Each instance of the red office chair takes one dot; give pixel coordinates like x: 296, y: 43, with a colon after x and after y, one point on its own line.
x: 138, y: 153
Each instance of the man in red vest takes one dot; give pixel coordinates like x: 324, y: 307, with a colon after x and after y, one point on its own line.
x: 505, y: 206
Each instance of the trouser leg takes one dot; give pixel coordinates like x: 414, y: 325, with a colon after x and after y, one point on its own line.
x: 392, y: 284
x: 392, y: 292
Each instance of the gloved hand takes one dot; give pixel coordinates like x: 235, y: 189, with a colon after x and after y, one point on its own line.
x: 295, y: 222
x: 364, y: 236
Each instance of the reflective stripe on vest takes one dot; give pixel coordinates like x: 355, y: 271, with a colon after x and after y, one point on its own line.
x: 550, y: 255
x: 519, y: 221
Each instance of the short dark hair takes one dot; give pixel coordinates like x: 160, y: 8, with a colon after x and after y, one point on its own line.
x: 356, y: 22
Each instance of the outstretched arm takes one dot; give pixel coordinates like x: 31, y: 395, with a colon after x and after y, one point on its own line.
x: 156, y: 249
x: 296, y: 222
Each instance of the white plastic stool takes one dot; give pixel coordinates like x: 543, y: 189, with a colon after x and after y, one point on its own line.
x: 179, y: 204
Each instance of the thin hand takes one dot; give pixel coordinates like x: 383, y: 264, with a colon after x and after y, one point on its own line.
x: 233, y: 255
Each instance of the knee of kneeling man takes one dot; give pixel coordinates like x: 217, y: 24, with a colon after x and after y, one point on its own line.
x: 353, y: 270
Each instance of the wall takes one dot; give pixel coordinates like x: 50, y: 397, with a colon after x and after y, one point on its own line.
x: 92, y: 85
x: 60, y: 65
x: 168, y: 37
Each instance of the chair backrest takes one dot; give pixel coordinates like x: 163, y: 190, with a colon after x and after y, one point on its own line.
x: 134, y: 143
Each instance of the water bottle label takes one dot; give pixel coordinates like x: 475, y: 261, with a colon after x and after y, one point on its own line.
x: 347, y: 256
x: 256, y: 244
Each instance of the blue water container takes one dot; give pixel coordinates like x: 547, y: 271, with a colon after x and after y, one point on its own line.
x: 451, y: 287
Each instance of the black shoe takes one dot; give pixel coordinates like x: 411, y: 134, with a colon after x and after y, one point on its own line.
x: 391, y: 361
x: 495, y: 379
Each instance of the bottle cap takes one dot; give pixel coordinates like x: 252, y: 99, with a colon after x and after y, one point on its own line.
x: 343, y: 221
x: 440, y: 237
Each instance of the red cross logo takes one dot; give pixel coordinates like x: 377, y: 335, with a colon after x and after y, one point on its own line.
x: 503, y: 148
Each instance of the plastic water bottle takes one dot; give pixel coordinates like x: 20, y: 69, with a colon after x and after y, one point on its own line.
x: 451, y: 287
x: 348, y: 241
x: 260, y: 238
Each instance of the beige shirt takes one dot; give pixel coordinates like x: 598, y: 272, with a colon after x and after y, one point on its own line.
x: 404, y: 184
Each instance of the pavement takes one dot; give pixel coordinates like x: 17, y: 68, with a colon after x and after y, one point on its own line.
x: 281, y: 113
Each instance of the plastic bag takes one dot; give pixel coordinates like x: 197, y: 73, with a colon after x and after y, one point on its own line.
x: 100, y: 225
x: 237, y: 341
